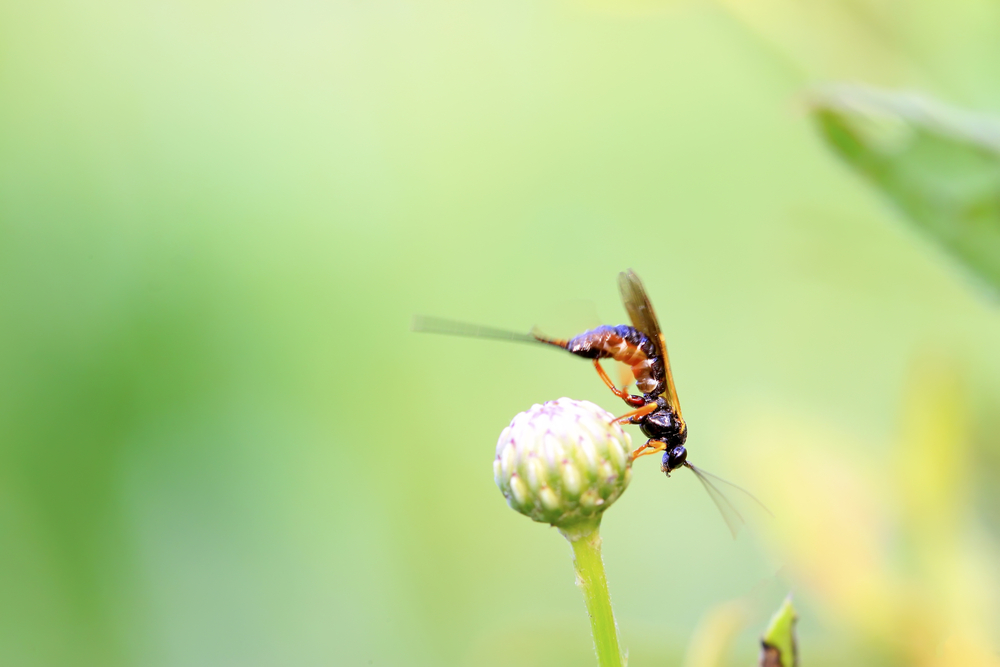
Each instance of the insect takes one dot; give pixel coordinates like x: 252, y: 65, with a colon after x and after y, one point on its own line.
x: 643, y: 349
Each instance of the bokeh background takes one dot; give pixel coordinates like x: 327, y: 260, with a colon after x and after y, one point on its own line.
x: 220, y: 444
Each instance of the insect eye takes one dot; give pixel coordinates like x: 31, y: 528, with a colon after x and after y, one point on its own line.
x: 673, y: 459
x: 676, y: 457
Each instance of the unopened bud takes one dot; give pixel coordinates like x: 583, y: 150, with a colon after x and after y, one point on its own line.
x: 563, y: 462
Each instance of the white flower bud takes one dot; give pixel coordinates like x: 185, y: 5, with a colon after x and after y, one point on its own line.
x: 563, y: 462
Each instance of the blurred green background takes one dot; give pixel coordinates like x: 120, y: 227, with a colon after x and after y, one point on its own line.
x: 221, y: 445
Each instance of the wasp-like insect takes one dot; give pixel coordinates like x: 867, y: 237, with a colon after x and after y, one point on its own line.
x: 643, y: 349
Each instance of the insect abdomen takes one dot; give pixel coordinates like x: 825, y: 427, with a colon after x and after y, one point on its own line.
x: 627, y: 345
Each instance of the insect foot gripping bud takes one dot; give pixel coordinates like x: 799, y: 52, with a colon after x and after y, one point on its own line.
x: 563, y: 462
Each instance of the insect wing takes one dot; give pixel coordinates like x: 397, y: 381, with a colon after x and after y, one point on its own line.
x: 640, y: 311
x: 730, y: 514
x: 625, y: 377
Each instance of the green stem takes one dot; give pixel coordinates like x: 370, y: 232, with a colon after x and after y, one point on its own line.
x: 586, y: 541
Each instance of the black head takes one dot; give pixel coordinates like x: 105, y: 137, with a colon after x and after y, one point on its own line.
x: 673, y: 459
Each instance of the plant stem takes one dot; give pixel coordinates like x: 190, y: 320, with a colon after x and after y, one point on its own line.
x: 586, y: 541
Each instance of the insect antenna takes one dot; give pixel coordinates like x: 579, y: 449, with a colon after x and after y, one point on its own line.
x: 729, y: 513
x: 452, y: 328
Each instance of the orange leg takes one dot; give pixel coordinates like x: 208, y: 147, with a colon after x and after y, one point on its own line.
x: 645, y: 453
x: 639, y: 451
x: 626, y: 418
x: 620, y: 393
x: 656, y: 447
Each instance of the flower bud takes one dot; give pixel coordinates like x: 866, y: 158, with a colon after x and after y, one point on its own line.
x: 563, y: 462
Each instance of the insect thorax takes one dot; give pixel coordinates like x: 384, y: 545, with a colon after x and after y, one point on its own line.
x: 664, y: 425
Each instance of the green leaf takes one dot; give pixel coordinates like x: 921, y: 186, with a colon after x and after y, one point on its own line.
x: 778, y: 646
x: 939, y: 165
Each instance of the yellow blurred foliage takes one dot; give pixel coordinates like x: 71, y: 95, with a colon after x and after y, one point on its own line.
x: 887, y: 544
x: 716, y: 633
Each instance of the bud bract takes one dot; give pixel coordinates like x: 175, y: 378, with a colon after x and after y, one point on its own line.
x: 563, y: 462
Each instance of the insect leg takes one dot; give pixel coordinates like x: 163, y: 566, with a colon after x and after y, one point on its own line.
x: 653, y: 446
x: 634, y: 401
x: 638, y: 451
x: 641, y: 412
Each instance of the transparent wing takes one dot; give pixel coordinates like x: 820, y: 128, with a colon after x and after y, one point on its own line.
x: 730, y: 514
x: 625, y: 377
x: 452, y: 328
x: 640, y: 311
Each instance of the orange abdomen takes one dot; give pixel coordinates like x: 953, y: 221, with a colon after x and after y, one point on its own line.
x: 627, y: 345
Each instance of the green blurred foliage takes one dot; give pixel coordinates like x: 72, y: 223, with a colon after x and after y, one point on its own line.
x: 219, y: 443
x: 941, y: 166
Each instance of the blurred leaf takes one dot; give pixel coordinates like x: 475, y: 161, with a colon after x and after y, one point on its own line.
x: 778, y: 647
x: 716, y: 633
x: 940, y: 166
